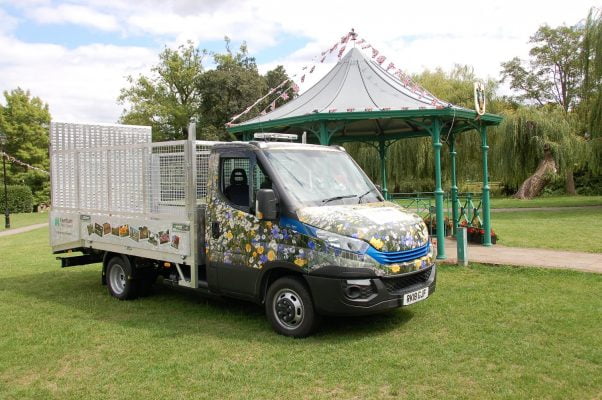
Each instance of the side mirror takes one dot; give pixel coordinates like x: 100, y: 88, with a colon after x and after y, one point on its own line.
x: 379, y: 188
x: 266, y: 206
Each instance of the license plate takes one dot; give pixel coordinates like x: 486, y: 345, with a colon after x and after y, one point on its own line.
x: 415, y: 296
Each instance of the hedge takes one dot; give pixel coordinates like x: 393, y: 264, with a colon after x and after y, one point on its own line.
x: 20, y: 199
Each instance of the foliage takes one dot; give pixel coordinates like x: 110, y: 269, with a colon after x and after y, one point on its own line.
x: 410, y: 162
x: 592, y: 69
x: 553, y: 73
x: 170, y: 97
x: 20, y: 199
x: 519, y: 143
x: 233, y: 85
x: 25, y: 120
x: 179, y: 89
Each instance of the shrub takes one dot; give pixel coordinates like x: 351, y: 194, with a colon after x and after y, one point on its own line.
x: 20, y: 199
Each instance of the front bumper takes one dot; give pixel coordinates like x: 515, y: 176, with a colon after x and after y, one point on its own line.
x: 341, y: 296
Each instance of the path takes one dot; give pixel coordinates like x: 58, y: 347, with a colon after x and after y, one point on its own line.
x: 502, y: 255
x: 28, y: 228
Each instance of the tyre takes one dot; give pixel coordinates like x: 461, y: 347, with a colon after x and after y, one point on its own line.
x: 120, y: 280
x: 290, y: 309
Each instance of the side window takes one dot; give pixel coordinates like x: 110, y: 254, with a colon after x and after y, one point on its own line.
x: 234, y: 180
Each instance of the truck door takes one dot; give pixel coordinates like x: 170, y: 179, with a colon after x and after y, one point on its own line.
x: 231, y: 221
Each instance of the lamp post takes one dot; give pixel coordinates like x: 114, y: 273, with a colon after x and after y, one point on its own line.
x: 6, y: 213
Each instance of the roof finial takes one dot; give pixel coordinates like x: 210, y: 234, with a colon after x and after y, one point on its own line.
x: 352, y: 34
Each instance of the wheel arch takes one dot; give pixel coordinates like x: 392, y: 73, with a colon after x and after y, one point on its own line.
x: 273, y: 271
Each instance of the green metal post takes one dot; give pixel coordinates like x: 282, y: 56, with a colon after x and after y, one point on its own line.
x: 436, y: 132
x: 247, y: 136
x: 382, y: 152
x: 485, y: 201
x: 324, y: 135
x: 454, y: 183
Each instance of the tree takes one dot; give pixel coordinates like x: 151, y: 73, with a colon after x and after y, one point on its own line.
x: 170, y: 97
x: 25, y: 120
x: 179, y: 90
x: 553, y: 73
x: 410, y: 162
x: 534, y: 139
x: 232, y: 86
x: 592, y: 70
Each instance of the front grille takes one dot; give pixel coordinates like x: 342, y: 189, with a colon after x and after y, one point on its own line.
x: 395, y: 257
x: 399, y: 283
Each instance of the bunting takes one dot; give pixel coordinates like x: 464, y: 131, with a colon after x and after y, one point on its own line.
x: 14, y: 160
x: 341, y: 45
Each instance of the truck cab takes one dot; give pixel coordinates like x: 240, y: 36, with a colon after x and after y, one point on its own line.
x: 300, y: 227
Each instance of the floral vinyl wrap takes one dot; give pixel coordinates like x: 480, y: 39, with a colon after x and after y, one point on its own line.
x: 245, y: 240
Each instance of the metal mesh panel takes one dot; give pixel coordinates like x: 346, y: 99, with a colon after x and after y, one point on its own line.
x: 69, y: 136
x: 203, y: 150
x: 93, y: 185
x: 64, y: 183
x: 126, y: 178
x: 167, y: 180
x: 115, y: 169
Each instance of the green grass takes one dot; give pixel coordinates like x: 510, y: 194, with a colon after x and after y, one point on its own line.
x: 23, y: 219
x: 488, y: 332
x: 551, y: 201
x: 578, y: 230
x: 508, y: 202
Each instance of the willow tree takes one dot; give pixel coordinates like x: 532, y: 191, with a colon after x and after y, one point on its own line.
x: 592, y: 69
x: 410, y: 163
x: 534, y: 139
x: 592, y: 87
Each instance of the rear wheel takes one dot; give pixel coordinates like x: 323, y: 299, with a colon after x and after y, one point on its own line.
x: 120, y: 280
x: 290, y: 309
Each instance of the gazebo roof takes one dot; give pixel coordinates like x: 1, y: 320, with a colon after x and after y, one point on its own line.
x: 357, y: 99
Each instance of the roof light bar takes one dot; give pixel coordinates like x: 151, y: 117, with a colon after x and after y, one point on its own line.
x: 275, y: 136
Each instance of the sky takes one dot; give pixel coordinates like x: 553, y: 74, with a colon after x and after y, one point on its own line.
x: 76, y: 55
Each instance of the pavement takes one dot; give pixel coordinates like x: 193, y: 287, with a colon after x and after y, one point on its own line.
x: 28, y: 228
x: 502, y: 255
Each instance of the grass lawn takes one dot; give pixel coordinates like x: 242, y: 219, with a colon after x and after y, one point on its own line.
x: 551, y: 201
x: 488, y: 332
x: 578, y: 230
x: 23, y: 219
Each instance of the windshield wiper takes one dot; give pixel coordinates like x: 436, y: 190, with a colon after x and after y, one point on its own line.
x: 359, y: 200
x: 346, y: 196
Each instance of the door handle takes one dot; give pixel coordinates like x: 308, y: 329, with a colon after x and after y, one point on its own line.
x: 215, y: 230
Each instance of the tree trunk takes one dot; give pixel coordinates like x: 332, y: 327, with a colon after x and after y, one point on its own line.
x: 570, y: 183
x: 534, y: 184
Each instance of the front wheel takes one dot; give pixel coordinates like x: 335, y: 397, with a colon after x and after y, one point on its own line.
x: 290, y: 309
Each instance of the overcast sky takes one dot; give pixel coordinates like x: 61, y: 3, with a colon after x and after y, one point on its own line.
x: 75, y: 55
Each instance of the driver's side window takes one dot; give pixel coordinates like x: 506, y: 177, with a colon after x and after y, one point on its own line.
x: 234, y: 181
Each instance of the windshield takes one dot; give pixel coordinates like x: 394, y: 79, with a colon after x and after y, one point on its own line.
x: 322, y: 177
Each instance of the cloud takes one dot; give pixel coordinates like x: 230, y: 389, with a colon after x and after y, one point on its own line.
x: 83, y: 83
x: 74, y: 14
x: 79, y: 84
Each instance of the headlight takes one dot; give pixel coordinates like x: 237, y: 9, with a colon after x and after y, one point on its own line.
x: 342, y: 242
